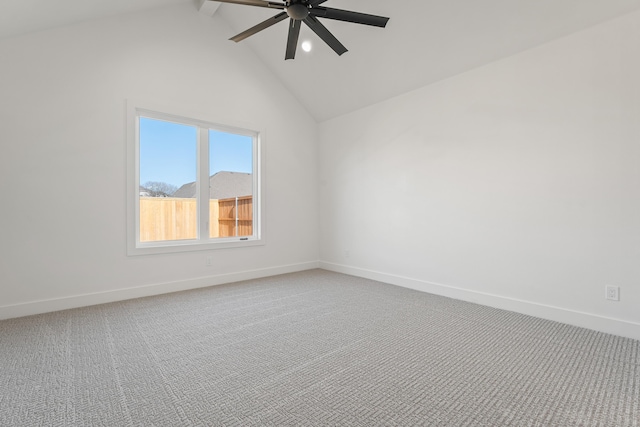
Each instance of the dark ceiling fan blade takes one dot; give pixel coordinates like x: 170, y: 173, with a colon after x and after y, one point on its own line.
x: 261, y: 26
x: 259, y: 3
x: 292, y: 40
x: 348, y: 16
x: 324, y: 34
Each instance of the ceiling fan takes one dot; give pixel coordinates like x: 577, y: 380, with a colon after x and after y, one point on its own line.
x: 307, y: 11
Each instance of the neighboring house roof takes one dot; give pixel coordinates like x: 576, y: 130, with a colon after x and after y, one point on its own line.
x: 222, y: 185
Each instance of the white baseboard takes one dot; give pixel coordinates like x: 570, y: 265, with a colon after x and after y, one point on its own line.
x: 585, y: 320
x: 75, y: 301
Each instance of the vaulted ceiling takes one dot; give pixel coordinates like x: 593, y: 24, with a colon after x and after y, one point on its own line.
x: 425, y: 40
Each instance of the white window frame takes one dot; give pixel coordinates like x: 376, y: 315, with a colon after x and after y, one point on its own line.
x: 136, y: 110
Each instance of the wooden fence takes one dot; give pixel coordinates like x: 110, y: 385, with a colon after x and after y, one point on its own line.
x: 235, y: 217
x: 169, y: 218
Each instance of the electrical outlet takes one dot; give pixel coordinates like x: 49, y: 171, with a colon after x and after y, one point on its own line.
x: 208, y: 261
x: 612, y: 293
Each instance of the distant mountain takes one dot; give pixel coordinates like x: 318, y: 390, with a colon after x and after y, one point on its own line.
x: 222, y: 185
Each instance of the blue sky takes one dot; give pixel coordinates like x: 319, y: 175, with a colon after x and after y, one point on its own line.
x: 168, y: 152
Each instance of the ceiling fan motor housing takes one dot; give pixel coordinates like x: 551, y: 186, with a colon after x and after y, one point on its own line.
x: 298, y: 11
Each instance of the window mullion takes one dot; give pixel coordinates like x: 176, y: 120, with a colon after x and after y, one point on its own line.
x: 203, y: 184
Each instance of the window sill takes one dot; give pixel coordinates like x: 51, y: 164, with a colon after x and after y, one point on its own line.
x: 191, y: 246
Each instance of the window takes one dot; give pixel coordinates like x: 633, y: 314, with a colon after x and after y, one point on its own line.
x: 192, y: 184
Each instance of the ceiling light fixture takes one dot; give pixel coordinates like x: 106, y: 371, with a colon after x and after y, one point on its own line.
x: 306, y: 46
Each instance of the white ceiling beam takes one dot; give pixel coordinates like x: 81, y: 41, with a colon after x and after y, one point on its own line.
x: 208, y: 7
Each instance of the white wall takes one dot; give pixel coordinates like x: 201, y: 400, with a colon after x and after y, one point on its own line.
x: 63, y: 166
x: 515, y: 185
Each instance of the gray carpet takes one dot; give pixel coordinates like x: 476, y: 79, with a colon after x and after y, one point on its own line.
x: 311, y: 348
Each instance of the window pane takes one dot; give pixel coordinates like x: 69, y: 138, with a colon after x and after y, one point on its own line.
x: 230, y: 184
x: 168, y: 208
